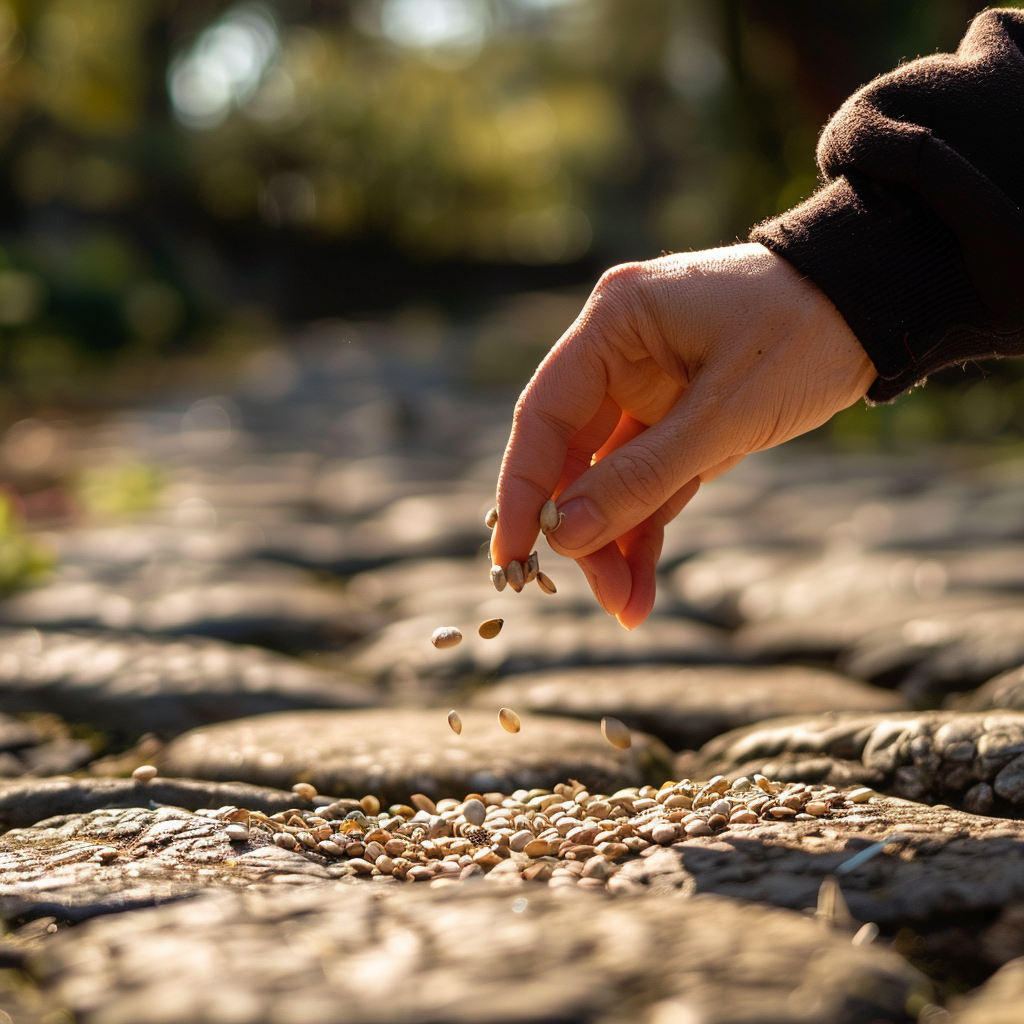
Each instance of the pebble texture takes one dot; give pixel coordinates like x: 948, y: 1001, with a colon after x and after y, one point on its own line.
x: 686, y: 707
x: 25, y: 802
x: 969, y: 759
x: 81, y: 865
x: 482, y: 954
x: 138, y: 683
x: 529, y: 642
x: 396, y: 752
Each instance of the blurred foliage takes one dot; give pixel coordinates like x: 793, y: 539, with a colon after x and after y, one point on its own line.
x: 22, y: 557
x: 120, y: 488
x: 166, y: 164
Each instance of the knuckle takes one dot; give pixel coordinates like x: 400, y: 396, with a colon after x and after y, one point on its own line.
x: 640, y: 477
x: 620, y: 279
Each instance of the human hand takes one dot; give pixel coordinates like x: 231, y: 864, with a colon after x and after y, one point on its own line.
x: 674, y: 371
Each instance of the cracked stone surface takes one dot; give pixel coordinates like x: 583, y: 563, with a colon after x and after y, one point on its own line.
x: 932, y: 655
x: 531, y: 641
x: 687, y: 706
x: 255, y: 602
x: 475, y: 954
x: 57, y: 867
x: 972, y: 759
x: 133, y: 682
x: 941, y: 864
x: 397, y: 752
x: 25, y: 802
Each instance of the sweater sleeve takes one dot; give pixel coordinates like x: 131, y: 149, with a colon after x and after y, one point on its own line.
x: 917, y: 233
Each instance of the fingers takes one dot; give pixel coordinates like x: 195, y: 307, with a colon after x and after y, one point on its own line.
x: 566, y: 399
x: 634, y: 481
x: 609, y: 576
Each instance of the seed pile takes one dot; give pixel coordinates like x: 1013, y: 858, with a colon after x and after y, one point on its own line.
x: 564, y: 837
x: 517, y: 574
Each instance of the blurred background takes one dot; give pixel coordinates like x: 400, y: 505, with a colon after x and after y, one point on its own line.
x: 183, y: 182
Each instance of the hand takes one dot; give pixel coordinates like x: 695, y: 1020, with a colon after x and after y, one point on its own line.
x: 674, y: 371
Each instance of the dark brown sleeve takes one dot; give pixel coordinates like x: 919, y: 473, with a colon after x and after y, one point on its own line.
x: 917, y: 234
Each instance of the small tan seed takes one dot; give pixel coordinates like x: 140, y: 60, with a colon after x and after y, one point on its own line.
x: 304, y: 791
x: 616, y: 733
x: 515, y: 575
x: 491, y: 628
x: 509, y: 720
x: 531, y: 567
x: 370, y: 804
x: 144, y: 773
x: 422, y: 802
x: 446, y: 636
x: 286, y: 840
x: 545, y: 583
x: 474, y: 811
x: 491, y: 519
x: 455, y: 722
x: 550, y: 517
x: 498, y: 578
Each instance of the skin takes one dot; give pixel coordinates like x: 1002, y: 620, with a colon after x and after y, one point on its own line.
x: 675, y: 369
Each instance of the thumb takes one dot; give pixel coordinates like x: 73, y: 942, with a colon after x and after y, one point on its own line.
x: 632, y: 482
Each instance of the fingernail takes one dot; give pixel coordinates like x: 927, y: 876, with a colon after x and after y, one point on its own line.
x: 582, y: 523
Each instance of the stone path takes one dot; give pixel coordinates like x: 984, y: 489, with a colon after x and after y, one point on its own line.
x: 821, y: 618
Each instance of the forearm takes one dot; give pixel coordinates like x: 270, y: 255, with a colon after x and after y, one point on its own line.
x: 917, y: 236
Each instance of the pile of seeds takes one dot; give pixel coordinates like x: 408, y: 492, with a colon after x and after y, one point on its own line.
x: 564, y: 837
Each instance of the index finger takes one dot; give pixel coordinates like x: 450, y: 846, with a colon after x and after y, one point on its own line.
x: 567, y: 395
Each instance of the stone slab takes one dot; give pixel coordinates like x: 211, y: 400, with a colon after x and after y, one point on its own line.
x: 400, y: 751
x: 137, y: 683
x: 687, y: 706
x: 469, y: 956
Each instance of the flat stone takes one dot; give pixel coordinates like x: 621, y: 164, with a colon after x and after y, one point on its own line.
x: 932, y: 655
x: 397, y: 752
x: 263, y: 603
x: 531, y: 641
x: 162, y: 854
x: 972, y: 759
x: 26, y: 801
x: 686, y: 707
x: 469, y: 954
x: 138, y: 683
x: 1005, y: 691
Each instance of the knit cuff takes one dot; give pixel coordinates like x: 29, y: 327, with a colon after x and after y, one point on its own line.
x: 894, y: 272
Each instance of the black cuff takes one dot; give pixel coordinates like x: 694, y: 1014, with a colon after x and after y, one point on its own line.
x: 896, y: 274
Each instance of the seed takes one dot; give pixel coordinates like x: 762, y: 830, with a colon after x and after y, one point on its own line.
x: 491, y: 628
x: 286, y: 840
x: 860, y: 796
x: 455, y: 722
x: 331, y: 848
x: 550, y: 517
x: 474, y: 812
x: 616, y: 733
x: 304, y: 791
x: 446, y: 636
x: 498, y: 578
x: 866, y: 935
x: 664, y: 834
x: 144, y: 773
x: 370, y: 804
x: 530, y: 568
x: 515, y: 576
x: 237, y: 833
x: 491, y: 519
x: 422, y: 802
x: 545, y: 584
x: 699, y: 827
x: 509, y: 720
x: 105, y: 854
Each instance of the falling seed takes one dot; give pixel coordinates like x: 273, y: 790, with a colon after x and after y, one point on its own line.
x: 491, y: 628
x: 498, y: 578
x: 616, y: 733
x: 455, y: 722
x: 446, y: 636
x: 491, y: 519
x: 509, y: 720
x: 531, y: 567
x: 866, y: 934
x: 144, y: 773
x: 515, y: 576
x: 545, y: 584
x: 832, y: 909
x: 550, y: 517
x: 304, y: 791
